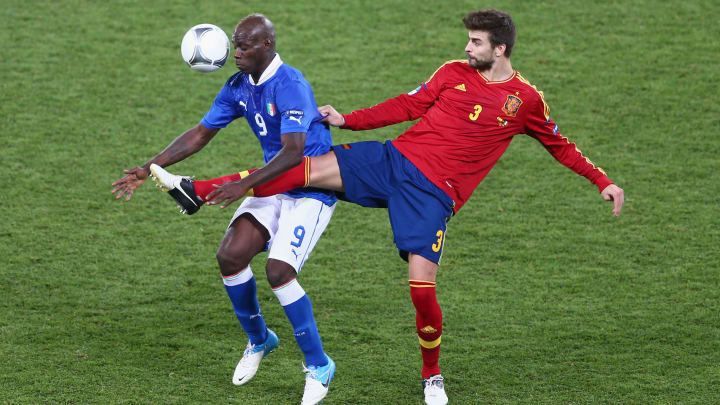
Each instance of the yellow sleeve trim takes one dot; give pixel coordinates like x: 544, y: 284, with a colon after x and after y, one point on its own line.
x: 546, y: 108
x: 450, y: 61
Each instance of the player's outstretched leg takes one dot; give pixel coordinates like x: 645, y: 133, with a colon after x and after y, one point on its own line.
x: 180, y: 188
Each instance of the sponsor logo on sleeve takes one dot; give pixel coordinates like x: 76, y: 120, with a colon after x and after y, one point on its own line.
x: 295, y: 115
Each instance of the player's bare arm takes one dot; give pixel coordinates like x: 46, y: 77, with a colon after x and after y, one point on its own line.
x: 616, y: 195
x: 181, y: 147
x: 288, y: 157
x: 331, y: 115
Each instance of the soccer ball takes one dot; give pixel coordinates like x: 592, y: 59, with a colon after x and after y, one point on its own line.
x: 205, y: 47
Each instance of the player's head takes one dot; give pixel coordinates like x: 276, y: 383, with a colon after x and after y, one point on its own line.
x: 254, y: 41
x: 492, y: 36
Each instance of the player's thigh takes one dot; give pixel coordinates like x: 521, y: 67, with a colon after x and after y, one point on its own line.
x: 252, y: 227
x: 420, y: 268
x: 325, y: 173
x: 242, y: 241
x: 301, y: 223
x: 419, y: 223
x: 366, y: 172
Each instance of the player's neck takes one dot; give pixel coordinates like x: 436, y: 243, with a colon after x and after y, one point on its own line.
x: 500, y: 70
x: 256, y: 75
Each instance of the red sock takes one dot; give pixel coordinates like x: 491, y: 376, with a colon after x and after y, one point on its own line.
x: 205, y: 187
x: 428, y: 320
x: 298, y: 176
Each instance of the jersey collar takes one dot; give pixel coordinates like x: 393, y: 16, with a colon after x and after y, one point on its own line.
x: 512, y: 76
x: 269, y: 71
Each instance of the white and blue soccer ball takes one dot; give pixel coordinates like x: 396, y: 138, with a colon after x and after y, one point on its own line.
x: 205, y: 47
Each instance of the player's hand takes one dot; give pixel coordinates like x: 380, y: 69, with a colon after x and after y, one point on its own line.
x: 133, y: 179
x: 616, y: 195
x: 227, y: 193
x: 331, y: 116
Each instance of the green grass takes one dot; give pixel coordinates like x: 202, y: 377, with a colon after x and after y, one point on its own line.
x: 547, y: 297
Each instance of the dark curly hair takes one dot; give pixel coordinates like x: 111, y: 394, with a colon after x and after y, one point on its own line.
x: 497, y: 23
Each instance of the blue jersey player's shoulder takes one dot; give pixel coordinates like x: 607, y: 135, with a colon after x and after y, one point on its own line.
x: 235, y: 80
x: 289, y: 73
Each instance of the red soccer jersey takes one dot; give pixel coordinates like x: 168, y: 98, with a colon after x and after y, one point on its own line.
x: 466, y: 123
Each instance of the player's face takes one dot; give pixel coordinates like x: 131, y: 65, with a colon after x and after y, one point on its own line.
x: 248, y: 50
x: 480, y: 53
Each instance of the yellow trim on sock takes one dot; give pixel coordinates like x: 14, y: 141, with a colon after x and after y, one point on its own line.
x: 243, y: 174
x: 430, y: 345
x: 307, y: 171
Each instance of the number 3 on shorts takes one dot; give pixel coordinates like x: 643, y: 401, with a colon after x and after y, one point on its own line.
x: 437, y: 246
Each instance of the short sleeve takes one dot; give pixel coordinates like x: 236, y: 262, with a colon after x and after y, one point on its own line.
x: 223, y: 110
x: 296, y: 106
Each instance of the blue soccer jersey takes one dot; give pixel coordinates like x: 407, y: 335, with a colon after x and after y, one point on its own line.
x: 282, y: 101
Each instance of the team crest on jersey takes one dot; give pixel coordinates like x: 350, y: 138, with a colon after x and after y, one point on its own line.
x: 271, y: 109
x: 512, y: 105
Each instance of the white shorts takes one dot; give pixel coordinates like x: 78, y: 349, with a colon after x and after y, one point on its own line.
x: 294, y: 225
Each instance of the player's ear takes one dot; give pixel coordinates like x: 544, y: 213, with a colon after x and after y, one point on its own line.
x: 500, y: 50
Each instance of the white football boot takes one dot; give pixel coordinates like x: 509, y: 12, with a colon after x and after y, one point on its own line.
x: 317, y: 382
x: 434, y: 390
x: 180, y: 188
x: 253, y: 355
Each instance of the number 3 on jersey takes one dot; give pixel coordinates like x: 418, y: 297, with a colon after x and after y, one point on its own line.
x: 261, y: 123
x: 476, y: 113
x: 437, y: 246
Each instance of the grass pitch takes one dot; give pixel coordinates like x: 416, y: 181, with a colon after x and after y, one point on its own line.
x: 547, y: 298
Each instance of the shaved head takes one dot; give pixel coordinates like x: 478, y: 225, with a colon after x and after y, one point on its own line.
x: 254, y: 41
x: 256, y: 27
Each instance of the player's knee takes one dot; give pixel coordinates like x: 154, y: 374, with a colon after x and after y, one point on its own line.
x: 231, y: 262
x: 279, y: 273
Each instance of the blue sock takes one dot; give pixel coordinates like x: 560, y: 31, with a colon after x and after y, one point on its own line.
x: 298, y: 309
x: 242, y: 290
